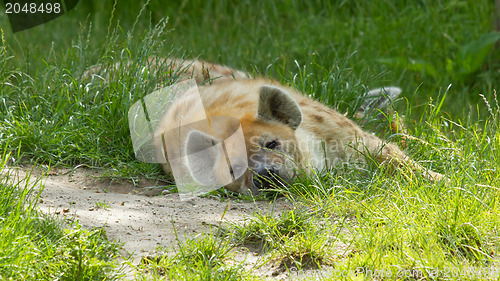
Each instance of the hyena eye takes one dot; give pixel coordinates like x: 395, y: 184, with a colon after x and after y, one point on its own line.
x: 272, y: 144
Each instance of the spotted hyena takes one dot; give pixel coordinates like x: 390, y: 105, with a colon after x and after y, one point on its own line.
x: 284, y: 131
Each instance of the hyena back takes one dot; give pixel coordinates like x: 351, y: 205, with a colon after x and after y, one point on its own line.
x: 283, y: 130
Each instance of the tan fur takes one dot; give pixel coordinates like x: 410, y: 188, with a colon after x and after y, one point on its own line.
x: 308, y: 134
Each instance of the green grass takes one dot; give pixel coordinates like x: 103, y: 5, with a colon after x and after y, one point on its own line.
x: 206, y: 257
x: 298, y: 238
x: 36, y: 246
x: 439, y: 52
x: 330, y: 51
x: 102, y: 205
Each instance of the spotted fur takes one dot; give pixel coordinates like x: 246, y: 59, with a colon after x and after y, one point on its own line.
x: 284, y: 130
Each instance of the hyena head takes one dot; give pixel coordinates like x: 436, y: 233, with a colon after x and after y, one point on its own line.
x: 271, y: 147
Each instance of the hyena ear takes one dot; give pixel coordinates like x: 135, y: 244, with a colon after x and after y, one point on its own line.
x: 276, y: 105
x: 202, y: 157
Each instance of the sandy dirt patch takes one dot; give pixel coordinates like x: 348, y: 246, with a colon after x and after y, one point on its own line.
x: 141, y: 216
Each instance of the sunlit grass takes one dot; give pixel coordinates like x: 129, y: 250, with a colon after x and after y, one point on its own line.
x: 36, y: 246
x: 53, y: 111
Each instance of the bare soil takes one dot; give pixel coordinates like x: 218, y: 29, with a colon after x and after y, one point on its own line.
x: 143, y: 216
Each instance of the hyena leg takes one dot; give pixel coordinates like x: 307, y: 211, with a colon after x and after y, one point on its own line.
x: 379, y: 99
x: 203, y: 71
x: 390, y: 154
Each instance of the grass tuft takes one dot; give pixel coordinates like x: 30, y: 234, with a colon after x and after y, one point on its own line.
x: 35, y: 246
x: 208, y: 256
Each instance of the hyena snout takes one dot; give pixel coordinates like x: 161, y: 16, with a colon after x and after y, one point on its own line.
x: 266, y: 176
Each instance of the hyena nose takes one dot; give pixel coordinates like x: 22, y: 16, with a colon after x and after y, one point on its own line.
x: 265, y: 177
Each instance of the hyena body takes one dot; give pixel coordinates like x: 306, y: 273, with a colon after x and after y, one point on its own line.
x: 283, y: 130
